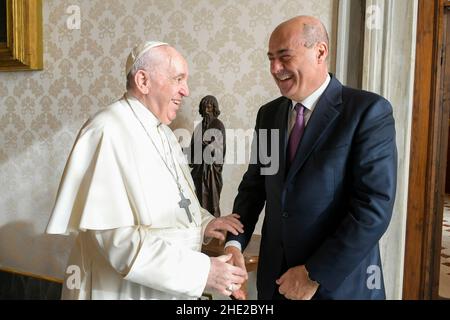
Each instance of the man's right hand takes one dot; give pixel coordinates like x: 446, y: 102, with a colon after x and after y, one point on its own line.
x: 237, y: 259
x: 224, y: 277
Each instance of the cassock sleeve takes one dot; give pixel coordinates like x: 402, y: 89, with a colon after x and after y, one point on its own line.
x: 148, y: 260
x: 207, y: 217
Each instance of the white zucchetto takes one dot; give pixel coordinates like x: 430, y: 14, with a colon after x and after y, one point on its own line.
x: 138, y: 52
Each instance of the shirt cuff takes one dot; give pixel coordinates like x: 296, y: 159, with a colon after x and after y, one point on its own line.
x: 234, y: 243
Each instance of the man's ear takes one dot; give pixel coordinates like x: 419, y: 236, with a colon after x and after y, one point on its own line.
x: 142, y: 81
x: 322, y: 52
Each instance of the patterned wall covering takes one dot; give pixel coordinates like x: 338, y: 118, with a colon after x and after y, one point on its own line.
x: 225, y: 43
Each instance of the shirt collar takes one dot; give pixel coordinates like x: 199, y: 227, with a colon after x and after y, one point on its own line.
x: 310, y: 101
x: 142, y: 112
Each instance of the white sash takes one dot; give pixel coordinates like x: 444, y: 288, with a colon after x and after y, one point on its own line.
x: 189, y: 238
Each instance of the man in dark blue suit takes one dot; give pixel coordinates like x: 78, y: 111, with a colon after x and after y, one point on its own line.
x: 331, y: 199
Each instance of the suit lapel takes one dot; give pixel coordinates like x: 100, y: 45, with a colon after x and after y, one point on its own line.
x: 281, y: 122
x: 323, y: 116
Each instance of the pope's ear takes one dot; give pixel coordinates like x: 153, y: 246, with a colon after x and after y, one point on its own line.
x: 142, y: 81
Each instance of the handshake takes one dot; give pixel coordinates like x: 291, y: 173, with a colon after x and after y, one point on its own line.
x: 227, y: 272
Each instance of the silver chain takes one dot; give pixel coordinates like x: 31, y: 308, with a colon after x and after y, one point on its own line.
x: 175, y: 177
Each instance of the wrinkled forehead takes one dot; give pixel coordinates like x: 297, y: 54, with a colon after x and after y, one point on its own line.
x: 177, y: 63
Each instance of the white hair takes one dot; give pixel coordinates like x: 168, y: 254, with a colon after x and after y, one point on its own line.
x: 149, y: 61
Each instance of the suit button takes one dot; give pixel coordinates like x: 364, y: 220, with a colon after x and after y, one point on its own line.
x: 285, y: 214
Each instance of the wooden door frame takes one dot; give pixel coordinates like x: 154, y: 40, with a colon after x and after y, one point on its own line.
x: 429, y: 135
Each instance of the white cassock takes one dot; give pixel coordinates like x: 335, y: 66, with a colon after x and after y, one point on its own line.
x: 134, y: 240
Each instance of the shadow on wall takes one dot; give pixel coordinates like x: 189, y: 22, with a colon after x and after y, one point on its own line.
x: 24, y: 250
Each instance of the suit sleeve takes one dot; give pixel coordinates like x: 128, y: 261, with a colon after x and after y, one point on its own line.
x: 251, y: 193
x: 373, y: 175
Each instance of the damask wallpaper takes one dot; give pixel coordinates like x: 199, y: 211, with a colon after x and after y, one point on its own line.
x: 86, y: 43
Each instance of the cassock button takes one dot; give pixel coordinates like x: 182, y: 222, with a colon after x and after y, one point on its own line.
x: 285, y: 214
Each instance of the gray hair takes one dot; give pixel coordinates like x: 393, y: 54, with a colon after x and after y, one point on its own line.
x: 147, y: 62
x: 139, y: 64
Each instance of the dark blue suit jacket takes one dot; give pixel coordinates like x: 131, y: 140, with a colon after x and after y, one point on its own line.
x: 331, y: 207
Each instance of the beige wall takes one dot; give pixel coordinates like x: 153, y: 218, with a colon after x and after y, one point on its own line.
x: 41, y: 112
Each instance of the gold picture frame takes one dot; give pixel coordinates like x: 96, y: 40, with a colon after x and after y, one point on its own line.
x: 23, y: 49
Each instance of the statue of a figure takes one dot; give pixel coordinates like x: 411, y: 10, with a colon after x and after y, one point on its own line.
x: 207, y: 153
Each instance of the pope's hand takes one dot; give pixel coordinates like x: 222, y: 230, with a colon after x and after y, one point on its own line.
x: 218, y: 227
x: 223, y: 277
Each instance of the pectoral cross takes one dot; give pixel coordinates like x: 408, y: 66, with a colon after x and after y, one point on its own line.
x: 184, y: 203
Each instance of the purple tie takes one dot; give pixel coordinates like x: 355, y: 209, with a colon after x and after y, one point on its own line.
x: 297, y: 132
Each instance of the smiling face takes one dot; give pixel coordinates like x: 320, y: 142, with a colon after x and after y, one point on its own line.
x: 168, y: 85
x: 298, y: 67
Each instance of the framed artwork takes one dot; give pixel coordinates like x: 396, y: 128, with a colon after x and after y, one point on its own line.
x: 21, y: 35
x: 3, y: 34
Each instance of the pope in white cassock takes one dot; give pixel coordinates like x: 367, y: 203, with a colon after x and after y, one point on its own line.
x: 128, y: 192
